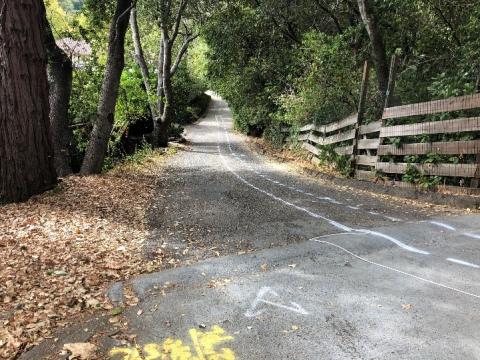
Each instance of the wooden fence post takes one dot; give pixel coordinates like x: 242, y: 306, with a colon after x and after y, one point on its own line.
x: 361, y: 114
x: 388, y: 96
x: 392, y: 77
x: 476, y: 180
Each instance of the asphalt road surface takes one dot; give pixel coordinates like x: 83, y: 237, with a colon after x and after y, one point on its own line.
x: 306, y: 270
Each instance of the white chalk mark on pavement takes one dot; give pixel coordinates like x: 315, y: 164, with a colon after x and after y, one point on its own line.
x: 465, y: 263
x: 442, y: 225
x: 260, y: 299
x: 472, y: 235
x: 398, y: 271
x: 395, y: 241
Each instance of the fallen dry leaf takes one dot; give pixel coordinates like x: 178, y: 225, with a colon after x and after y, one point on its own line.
x: 61, y: 250
x: 81, y: 351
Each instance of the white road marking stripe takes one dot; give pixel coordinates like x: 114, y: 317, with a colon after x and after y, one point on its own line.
x: 443, y: 225
x: 391, y: 218
x: 400, y: 271
x: 395, y: 241
x: 461, y: 262
x: 337, y: 234
x: 472, y: 235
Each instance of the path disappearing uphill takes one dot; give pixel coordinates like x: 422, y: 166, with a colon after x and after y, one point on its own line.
x: 335, y: 274
x: 285, y: 267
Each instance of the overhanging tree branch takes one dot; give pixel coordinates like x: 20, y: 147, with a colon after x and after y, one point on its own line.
x: 178, y: 20
x: 182, y: 53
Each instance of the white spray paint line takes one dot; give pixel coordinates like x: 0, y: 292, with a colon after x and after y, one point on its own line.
x: 353, y: 207
x: 472, y: 235
x: 311, y: 213
x: 400, y: 271
x: 383, y: 236
x: 395, y: 241
x: 443, y: 225
x: 451, y: 228
x: 337, y: 234
x: 391, y: 218
x: 465, y: 263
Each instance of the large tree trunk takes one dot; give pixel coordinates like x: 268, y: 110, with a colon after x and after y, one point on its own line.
x: 26, y: 153
x: 98, y: 144
x: 378, y: 46
x: 60, y: 72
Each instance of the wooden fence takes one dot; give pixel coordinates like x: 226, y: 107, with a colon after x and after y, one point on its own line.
x: 377, y: 150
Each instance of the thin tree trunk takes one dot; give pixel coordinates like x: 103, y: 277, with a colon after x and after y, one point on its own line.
x: 378, y: 46
x: 60, y: 72
x: 98, y: 144
x: 140, y: 60
x: 158, y: 129
x: 166, y: 116
x: 26, y: 151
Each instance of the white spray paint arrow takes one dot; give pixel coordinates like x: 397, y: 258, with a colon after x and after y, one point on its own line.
x: 253, y: 311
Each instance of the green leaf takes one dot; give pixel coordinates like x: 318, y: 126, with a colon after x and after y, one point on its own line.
x: 116, y: 311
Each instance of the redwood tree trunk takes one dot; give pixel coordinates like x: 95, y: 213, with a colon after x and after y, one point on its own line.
x: 60, y: 72
x: 378, y: 46
x: 26, y: 152
x: 102, y: 129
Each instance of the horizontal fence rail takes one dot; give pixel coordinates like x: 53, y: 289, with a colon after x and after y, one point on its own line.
x: 369, y: 145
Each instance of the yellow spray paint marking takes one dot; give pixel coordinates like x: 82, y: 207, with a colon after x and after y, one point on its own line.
x: 205, y: 347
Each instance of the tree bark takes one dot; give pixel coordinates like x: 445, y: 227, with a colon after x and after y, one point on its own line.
x: 167, y: 114
x: 26, y: 152
x: 157, y: 124
x: 167, y: 69
x: 378, y: 46
x: 102, y: 129
x: 60, y: 73
x: 140, y: 60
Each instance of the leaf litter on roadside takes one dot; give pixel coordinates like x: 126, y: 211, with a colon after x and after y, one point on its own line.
x: 61, y: 250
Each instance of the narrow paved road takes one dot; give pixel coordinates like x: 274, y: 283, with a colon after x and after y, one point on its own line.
x: 300, y: 270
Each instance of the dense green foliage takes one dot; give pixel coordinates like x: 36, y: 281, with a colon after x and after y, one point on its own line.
x: 298, y: 62
x: 132, y: 116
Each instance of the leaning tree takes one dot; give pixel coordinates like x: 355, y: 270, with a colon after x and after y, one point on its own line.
x: 26, y: 151
x: 179, y: 23
x: 102, y: 129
